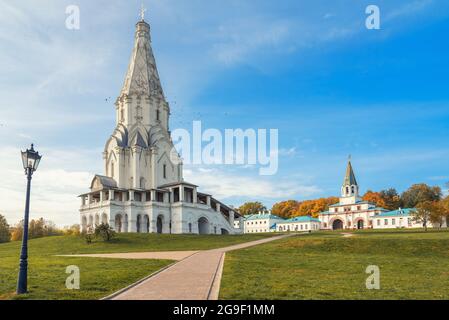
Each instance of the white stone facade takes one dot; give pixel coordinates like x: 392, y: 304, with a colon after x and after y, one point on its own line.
x: 260, y: 223
x: 401, y: 219
x: 299, y: 224
x: 143, y: 189
x: 351, y: 212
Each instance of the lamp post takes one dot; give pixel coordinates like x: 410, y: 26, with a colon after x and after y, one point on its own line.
x: 30, y: 159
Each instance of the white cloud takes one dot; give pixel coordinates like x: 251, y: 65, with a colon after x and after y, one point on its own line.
x: 239, y: 41
x: 54, y: 186
x: 410, y: 8
x: 225, y: 184
x: 288, y: 152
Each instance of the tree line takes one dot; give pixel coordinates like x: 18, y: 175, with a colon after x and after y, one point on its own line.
x: 417, y: 196
x: 36, y: 229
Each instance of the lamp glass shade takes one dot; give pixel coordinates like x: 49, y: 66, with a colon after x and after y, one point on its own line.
x: 31, y: 159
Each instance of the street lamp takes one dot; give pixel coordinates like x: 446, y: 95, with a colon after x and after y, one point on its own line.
x: 30, y: 159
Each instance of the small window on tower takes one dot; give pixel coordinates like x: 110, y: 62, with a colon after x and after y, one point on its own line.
x: 165, y: 171
x: 347, y: 190
x: 158, y: 115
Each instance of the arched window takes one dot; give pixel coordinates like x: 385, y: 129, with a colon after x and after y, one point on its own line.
x: 347, y: 190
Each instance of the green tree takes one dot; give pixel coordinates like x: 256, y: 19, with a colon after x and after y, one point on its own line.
x: 419, y: 193
x: 251, y: 208
x: 5, y: 234
x: 36, y: 228
x: 104, y: 231
x: 391, y: 198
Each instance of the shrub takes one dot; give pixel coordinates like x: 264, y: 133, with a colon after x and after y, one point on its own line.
x: 104, y: 231
x: 5, y: 235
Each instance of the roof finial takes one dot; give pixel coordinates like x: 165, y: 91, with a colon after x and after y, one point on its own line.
x: 142, y: 12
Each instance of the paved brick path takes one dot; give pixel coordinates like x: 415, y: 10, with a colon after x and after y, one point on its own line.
x: 194, y: 278
x: 166, y: 255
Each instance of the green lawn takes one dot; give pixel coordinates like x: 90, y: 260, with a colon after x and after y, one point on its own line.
x: 413, y: 265
x: 99, y: 277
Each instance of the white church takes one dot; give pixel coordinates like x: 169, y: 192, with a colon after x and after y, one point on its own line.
x: 351, y: 212
x: 142, y: 189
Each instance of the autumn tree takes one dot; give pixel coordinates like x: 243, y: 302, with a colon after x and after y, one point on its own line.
x: 419, y: 193
x: 17, y: 232
x: 374, y: 197
x: 305, y: 208
x: 72, y: 230
x: 428, y: 211
x: 445, y: 207
x: 36, y: 229
x: 286, y: 209
x: 5, y: 235
x: 391, y: 198
x: 438, y: 213
x: 251, y: 208
x: 314, y: 207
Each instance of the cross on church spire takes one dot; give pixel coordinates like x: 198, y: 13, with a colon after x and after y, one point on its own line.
x: 142, y: 12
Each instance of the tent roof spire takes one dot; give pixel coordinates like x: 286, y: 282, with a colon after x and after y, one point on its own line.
x: 350, y: 179
x: 142, y: 77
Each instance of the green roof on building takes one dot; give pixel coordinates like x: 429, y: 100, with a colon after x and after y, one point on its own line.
x: 262, y: 216
x: 396, y: 213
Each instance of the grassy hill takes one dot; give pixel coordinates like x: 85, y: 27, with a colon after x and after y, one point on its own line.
x: 413, y: 265
x: 99, y: 277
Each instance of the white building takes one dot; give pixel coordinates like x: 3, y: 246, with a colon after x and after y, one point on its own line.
x: 142, y: 189
x: 398, y: 219
x: 298, y: 224
x: 351, y: 212
x: 260, y: 223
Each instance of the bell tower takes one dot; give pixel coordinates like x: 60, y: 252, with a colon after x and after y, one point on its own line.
x: 350, y: 188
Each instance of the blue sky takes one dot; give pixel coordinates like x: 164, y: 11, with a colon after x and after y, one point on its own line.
x: 309, y: 68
